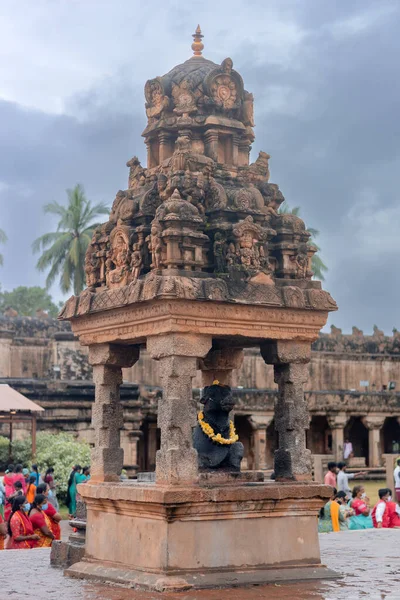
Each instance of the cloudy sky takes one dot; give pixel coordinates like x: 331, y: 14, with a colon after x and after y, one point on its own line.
x: 325, y: 76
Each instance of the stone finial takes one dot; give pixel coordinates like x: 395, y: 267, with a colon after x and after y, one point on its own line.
x: 197, y: 45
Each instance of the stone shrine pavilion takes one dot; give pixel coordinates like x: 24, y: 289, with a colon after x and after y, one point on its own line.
x: 196, y: 263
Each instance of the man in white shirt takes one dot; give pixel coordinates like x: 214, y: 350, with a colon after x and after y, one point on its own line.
x: 343, y: 479
x: 396, y: 476
x: 381, y: 515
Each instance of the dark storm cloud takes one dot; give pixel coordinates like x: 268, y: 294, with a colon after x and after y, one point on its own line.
x: 327, y: 101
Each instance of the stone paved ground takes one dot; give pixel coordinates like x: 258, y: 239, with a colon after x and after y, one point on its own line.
x: 369, y: 561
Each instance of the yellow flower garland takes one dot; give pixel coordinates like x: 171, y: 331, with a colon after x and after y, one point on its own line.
x: 209, y: 432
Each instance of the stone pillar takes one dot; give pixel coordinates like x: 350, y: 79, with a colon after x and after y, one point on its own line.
x: 337, y: 423
x: 260, y: 423
x: 165, y: 148
x: 235, y: 150
x: 374, y: 425
x: 219, y: 364
x: 107, y: 415
x: 290, y: 360
x: 211, y: 138
x: 176, y: 461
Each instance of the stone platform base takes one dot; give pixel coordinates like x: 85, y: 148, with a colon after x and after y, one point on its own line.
x: 186, y: 581
x: 159, y: 537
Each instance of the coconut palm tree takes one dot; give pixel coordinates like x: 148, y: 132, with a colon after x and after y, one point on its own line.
x: 3, y: 239
x: 318, y: 265
x: 63, y: 251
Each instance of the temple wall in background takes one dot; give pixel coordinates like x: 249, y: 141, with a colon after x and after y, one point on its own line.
x: 42, y: 359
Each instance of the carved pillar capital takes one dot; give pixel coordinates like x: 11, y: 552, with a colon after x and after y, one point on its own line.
x: 219, y: 363
x: 281, y: 352
x: 113, y: 355
x: 178, y: 344
x: 260, y: 421
x: 373, y: 421
x: 337, y: 421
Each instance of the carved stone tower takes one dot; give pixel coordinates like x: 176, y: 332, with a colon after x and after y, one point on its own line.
x: 196, y: 263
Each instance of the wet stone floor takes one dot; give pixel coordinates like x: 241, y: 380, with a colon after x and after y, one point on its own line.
x: 368, y: 560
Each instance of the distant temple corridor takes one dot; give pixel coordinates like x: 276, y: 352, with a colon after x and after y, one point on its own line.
x: 351, y: 393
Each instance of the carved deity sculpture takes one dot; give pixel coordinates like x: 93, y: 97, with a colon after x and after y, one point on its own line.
x: 118, y: 262
x: 136, y: 261
x: 155, y: 97
x: 215, y: 438
x: 155, y: 245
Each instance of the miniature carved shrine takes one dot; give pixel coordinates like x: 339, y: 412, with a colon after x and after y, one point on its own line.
x: 196, y: 263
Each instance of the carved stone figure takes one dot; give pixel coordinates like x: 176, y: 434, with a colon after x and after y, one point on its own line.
x: 118, y: 261
x: 156, y: 100
x: 214, y: 437
x: 136, y: 261
x: 248, y: 109
x: 155, y: 244
x: 219, y: 248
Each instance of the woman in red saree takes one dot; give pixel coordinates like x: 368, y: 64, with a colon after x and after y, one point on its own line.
x: 8, y: 480
x: 20, y: 528
x: 51, y: 512
x: 41, y: 523
x: 19, y: 476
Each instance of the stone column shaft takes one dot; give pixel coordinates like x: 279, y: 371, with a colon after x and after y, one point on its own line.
x: 374, y: 424
x: 176, y: 461
x: 290, y: 360
x: 337, y: 423
x: 211, y: 138
x: 107, y: 415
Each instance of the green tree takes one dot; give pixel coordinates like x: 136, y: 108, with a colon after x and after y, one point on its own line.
x: 27, y: 300
x: 318, y: 265
x: 60, y: 451
x: 3, y: 239
x: 63, y: 251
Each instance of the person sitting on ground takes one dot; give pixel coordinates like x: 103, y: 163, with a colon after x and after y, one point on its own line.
x: 17, y: 492
x: 31, y: 489
x: 18, y: 476
x: 330, y: 477
x: 20, y: 531
x: 343, y: 478
x: 50, y: 511
x: 396, y: 476
x: 360, y: 504
x: 334, y: 515
x: 386, y: 513
x: 41, y: 522
x: 345, y: 512
x: 8, y: 480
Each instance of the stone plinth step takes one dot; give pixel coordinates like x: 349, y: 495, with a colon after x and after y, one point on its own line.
x: 162, y: 582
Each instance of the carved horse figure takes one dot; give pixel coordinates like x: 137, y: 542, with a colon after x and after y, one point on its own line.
x: 213, y: 455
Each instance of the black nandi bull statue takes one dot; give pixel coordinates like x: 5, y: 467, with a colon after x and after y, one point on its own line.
x: 214, y: 437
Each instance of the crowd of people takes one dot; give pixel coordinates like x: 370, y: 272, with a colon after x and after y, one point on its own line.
x: 351, y: 509
x: 29, y: 509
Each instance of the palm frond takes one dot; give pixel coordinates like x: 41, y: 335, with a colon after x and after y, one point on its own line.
x: 3, y: 237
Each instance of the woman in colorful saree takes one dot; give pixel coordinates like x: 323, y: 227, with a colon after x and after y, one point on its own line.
x: 41, y: 523
x: 20, y: 528
x: 8, y: 480
x: 51, y: 512
x: 362, y: 514
x: 334, y: 515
